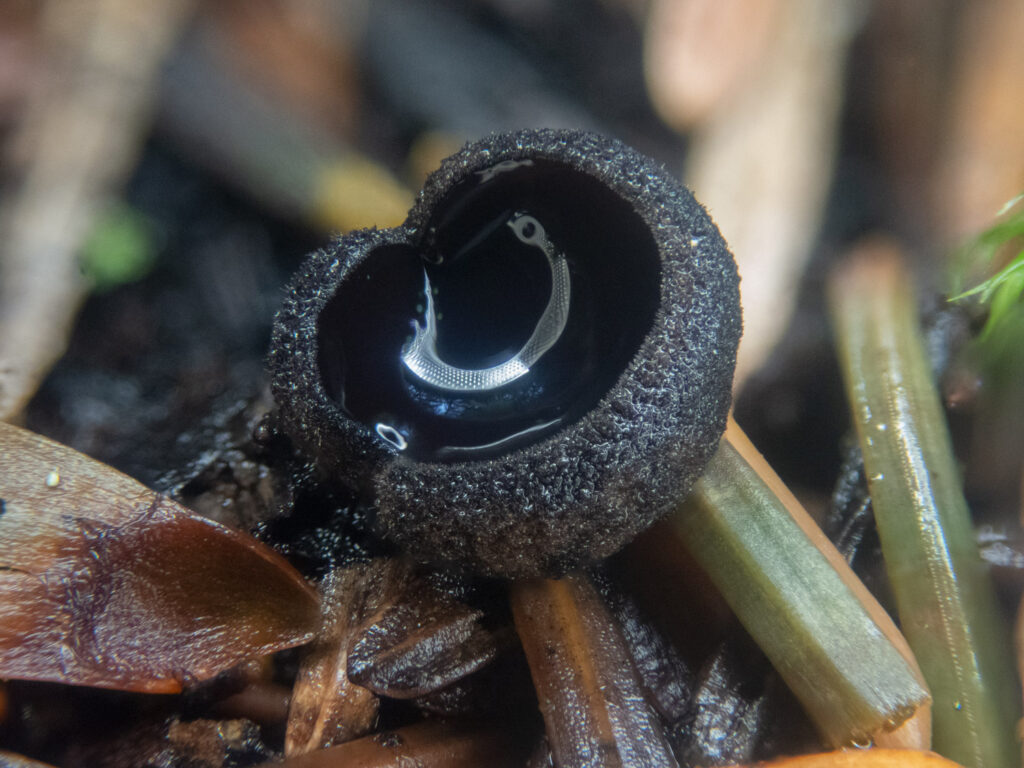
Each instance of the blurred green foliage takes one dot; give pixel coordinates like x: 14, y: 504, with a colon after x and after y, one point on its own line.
x: 120, y: 249
x: 1001, y: 292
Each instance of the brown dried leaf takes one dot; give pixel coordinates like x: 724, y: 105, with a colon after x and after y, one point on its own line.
x: 423, y: 641
x: 327, y: 707
x: 105, y: 583
x: 592, y: 702
x: 904, y: 52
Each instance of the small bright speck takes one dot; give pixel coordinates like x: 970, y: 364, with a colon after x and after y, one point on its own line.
x: 392, y: 435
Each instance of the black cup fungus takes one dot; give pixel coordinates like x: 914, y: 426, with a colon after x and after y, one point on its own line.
x: 532, y: 369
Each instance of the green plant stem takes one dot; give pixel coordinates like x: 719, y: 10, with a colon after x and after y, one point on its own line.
x: 946, y: 603
x: 828, y: 638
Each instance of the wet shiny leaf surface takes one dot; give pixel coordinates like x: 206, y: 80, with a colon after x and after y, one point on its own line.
x: 420, y: 643
x: 106, y: 583
x: 327, y: 707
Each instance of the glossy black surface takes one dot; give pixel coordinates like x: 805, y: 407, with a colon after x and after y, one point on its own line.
x: 490, y: 290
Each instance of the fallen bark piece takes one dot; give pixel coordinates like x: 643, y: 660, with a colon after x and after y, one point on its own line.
x: 862, y: 758
x: 420, y: 643
x: 327, y: 707
x: 593, y: 704
x: 430, y: 744
x: 105, y: 583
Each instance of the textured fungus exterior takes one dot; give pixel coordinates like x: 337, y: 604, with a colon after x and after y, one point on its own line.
x: 579, y: 494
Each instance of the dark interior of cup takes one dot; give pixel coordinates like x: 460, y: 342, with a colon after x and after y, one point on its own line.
x: 484, y: 271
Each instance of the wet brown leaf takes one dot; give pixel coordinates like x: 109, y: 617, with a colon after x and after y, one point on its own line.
x: 105, y: 583
x: 731, y: 705
x: 667, y: 679
x: 475, y: 695
x: 592, y: 702
x: 327, y: 707
x: 541, y: 756
x: 671, y: 588
x: 423, y: 641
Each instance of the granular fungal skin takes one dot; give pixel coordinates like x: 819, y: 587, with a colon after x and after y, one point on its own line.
x: 347, y: 450
x: 581, y: 493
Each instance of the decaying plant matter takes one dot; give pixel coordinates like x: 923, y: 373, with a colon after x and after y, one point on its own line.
x: 325, y: 566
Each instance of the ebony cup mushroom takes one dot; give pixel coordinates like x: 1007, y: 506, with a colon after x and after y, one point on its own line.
x: 532, y: 369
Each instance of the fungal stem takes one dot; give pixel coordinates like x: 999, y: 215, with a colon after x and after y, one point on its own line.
x: 946, y: 602
x: 829, y: 639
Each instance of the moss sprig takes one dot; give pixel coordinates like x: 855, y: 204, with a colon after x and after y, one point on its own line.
x: 1001, y: 292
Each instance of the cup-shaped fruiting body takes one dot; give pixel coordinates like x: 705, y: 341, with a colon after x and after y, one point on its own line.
x: 532, y: 369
